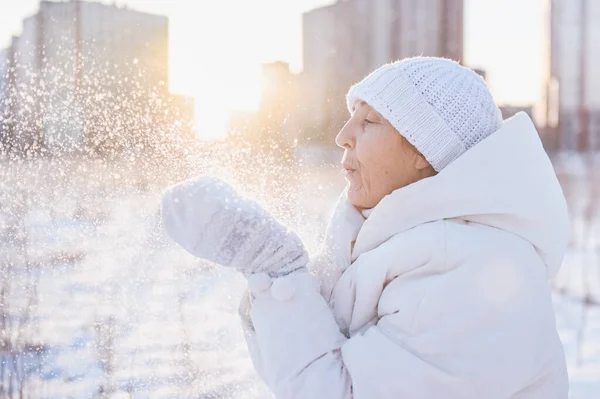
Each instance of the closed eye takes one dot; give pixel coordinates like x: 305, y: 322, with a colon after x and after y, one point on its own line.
x: 372, y: 118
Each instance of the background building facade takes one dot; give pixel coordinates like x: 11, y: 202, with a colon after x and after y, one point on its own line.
x: 346, y: 40
x: 574, y: 85
x: 3, y: 94
x: 277, y: 122
x: 88, y: 75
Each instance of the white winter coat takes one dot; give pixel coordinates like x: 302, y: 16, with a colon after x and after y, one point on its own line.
x: 441, y: 293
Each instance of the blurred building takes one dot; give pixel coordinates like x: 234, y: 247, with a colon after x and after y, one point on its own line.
x: 509, y: 111
x: 345, y: 41
x: 279, y: 102
x: 277, y: 119
x: 88, y: 75
x: 183, y: 110
x: 481, y: 72
x: 8, y: 90
x: 574, y: 86
x: 3, y: 95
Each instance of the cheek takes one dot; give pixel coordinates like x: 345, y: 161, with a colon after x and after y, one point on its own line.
x: 396, y: 168
x: 385, y: 164
x: 368, y: 153
x: 376, y: 160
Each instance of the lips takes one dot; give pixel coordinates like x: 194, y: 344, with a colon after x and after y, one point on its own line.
x: 349, y: 170
x: 347, y: 165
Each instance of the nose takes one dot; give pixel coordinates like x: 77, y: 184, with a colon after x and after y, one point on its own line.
x: 346, y: 138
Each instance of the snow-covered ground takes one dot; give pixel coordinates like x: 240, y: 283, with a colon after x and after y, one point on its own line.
x: 579, y: 326
x: 121, y: 312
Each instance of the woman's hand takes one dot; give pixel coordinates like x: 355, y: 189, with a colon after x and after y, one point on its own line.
x: 210, y: 220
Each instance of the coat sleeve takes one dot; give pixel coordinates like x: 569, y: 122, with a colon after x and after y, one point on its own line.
x: 319, y: 269
x: 250, y: 337
x: 304, y: 355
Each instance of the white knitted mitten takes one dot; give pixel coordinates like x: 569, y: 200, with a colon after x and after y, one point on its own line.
x: 210, y: 220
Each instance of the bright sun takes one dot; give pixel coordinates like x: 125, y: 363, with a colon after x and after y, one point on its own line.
x: 216, y: 50
x: 216, y: 58
x: 217, y: 89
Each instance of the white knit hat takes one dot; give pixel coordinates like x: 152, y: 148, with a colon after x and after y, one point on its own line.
x: 439, y: 106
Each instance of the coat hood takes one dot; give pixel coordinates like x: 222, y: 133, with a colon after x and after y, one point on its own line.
x: 506, y: 182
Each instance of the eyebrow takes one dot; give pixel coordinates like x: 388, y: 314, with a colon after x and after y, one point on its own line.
x: 359, y: 102
x: 377, y: 114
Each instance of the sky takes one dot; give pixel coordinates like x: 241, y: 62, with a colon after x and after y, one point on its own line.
x: 217, y: 47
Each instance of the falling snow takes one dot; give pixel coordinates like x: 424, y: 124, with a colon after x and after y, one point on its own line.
x: 95, y: 301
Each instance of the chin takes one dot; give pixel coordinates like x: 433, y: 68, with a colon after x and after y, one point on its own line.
x: 356, y: 198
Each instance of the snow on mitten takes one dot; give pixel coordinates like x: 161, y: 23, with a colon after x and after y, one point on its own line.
x: 210, y: 220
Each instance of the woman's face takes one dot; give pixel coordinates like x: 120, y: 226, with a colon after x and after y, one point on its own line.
x: 377, y: 159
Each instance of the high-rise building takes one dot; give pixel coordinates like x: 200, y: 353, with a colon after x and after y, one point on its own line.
x: 275, y: 122
x: 3, y: 95
x: 345, y: 41
x: 278, y: 101
x: 481, y: 72
x: 8, y: 90
x: 508, y: 111
x: 85, y: 71
x: 574, y: 85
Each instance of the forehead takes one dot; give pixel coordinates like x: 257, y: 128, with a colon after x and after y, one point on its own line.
x: 362, y: 106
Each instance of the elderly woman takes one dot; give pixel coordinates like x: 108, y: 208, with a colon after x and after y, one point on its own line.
x: 433, y: 283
